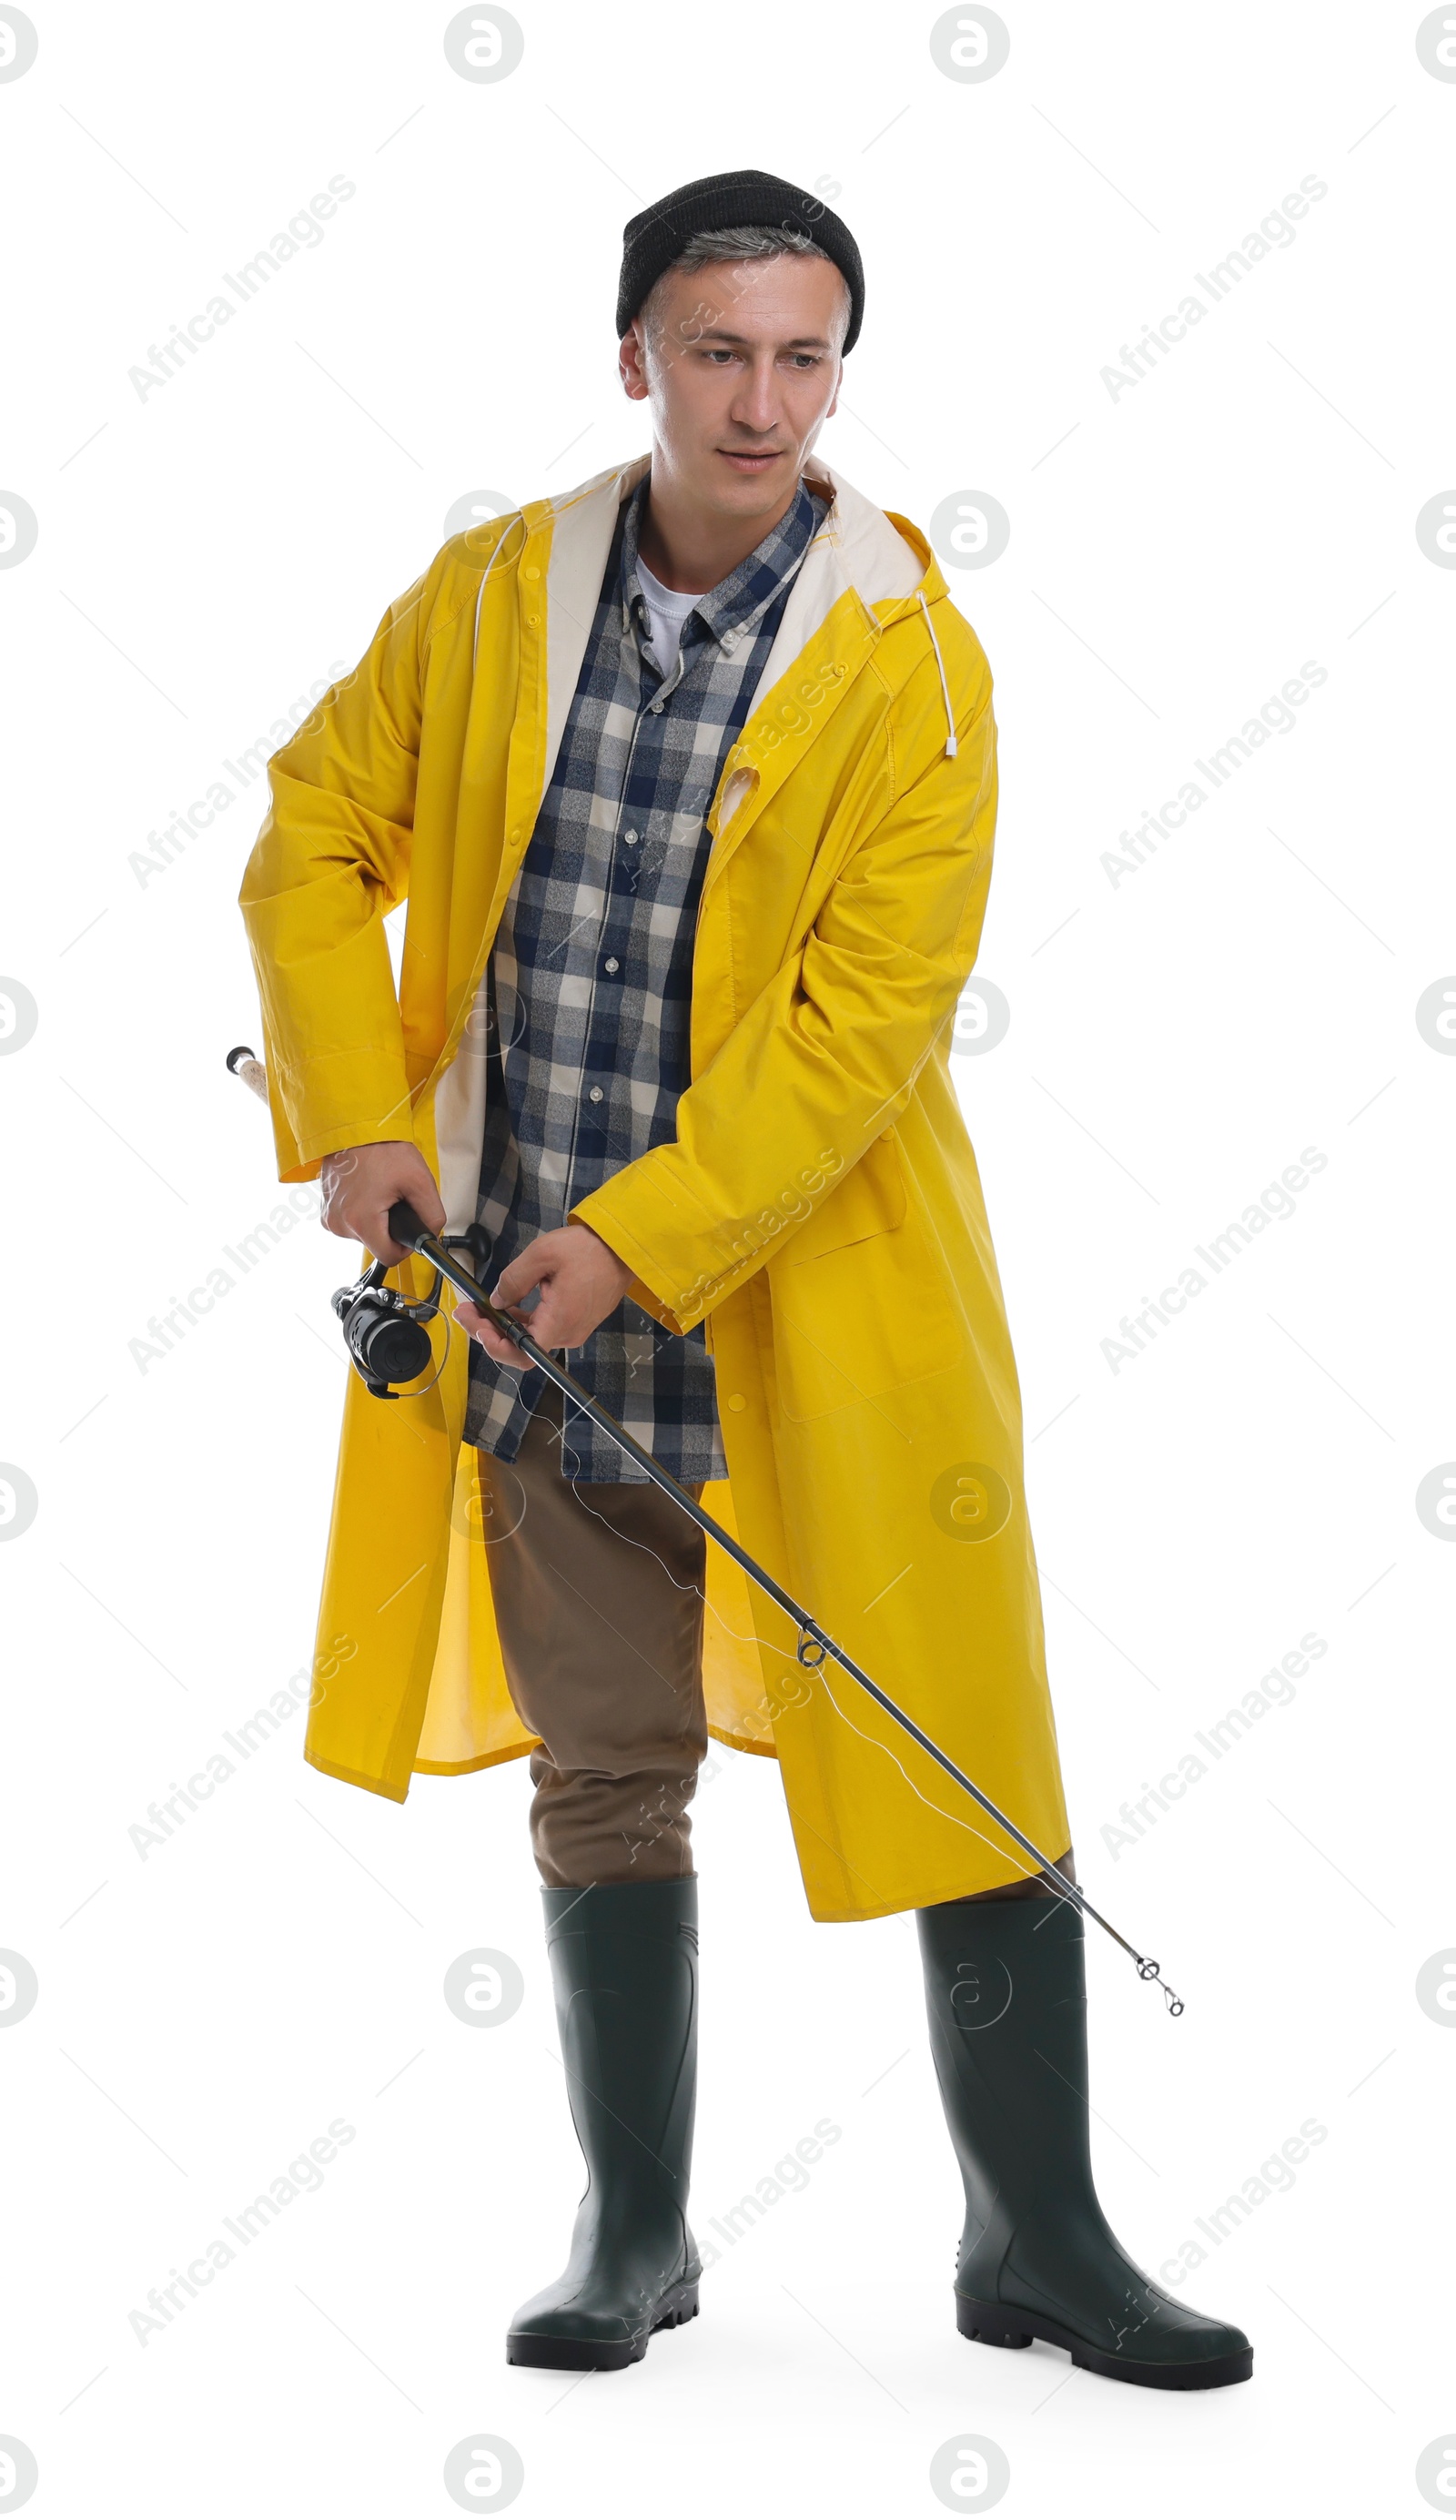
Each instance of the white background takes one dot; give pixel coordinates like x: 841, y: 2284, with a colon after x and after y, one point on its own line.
x: 206, y: 554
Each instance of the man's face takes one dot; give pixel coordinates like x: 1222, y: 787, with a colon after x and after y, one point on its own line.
x: 742, y: 370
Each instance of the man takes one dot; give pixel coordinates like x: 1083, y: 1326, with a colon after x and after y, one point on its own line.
x: 689, y: 777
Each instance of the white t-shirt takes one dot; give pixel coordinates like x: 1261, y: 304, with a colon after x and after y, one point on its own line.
x: 666, y: 610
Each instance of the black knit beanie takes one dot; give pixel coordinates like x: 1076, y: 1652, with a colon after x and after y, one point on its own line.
x: 656, y: 237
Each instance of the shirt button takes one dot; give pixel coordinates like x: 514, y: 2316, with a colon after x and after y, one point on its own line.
x: 631, y: 838
x: 595, y: 1095
x: 735, y: 1400
x: 613, y: 964
x: 653, y: 707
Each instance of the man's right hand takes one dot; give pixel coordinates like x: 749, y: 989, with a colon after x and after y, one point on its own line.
x: 361, y: 1183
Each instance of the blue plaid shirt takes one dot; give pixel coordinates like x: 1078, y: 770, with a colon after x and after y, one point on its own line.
x: 590, y: 981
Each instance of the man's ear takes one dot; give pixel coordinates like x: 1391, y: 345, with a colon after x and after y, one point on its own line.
x: 833, y: 404
x: 632, y: 362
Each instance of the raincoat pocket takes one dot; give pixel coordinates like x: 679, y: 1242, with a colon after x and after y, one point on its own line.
x: 843, y: 1328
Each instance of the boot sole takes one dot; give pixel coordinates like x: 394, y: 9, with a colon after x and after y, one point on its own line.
x: 990, y: 2324
x: 594, y: 2354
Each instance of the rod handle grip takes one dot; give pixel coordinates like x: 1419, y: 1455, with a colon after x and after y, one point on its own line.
x: 241, y: 1063
x: 405, y: 1226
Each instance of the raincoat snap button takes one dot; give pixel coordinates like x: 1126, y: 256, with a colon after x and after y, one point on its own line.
x: 531, y: 571
x: 735, y: 1400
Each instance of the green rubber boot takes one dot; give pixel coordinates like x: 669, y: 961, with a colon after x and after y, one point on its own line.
x: 1006, y: 1990
x: 624, y: 1968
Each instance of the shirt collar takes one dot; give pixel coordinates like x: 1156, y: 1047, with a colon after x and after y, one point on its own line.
x: 733, y: 609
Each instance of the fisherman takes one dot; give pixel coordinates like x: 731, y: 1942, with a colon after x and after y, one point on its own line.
x: 688, y: 778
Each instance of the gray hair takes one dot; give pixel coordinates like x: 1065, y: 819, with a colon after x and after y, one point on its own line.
x: 754, y: 243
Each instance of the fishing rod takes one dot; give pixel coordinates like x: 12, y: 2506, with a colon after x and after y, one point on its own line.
x: 814, y: 1641
x: 374, y: 1315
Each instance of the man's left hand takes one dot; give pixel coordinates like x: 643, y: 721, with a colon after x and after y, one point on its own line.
x: 582, y: 1280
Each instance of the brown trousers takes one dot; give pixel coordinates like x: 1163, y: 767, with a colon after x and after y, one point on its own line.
x: 598, y: 1592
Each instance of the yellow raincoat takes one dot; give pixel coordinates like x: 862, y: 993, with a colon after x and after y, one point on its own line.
x: 820, y: 1208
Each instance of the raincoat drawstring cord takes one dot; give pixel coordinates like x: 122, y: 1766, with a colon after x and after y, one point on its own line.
x: 950, y: 734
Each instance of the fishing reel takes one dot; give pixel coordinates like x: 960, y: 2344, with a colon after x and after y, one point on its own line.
x: 387, y: 1337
